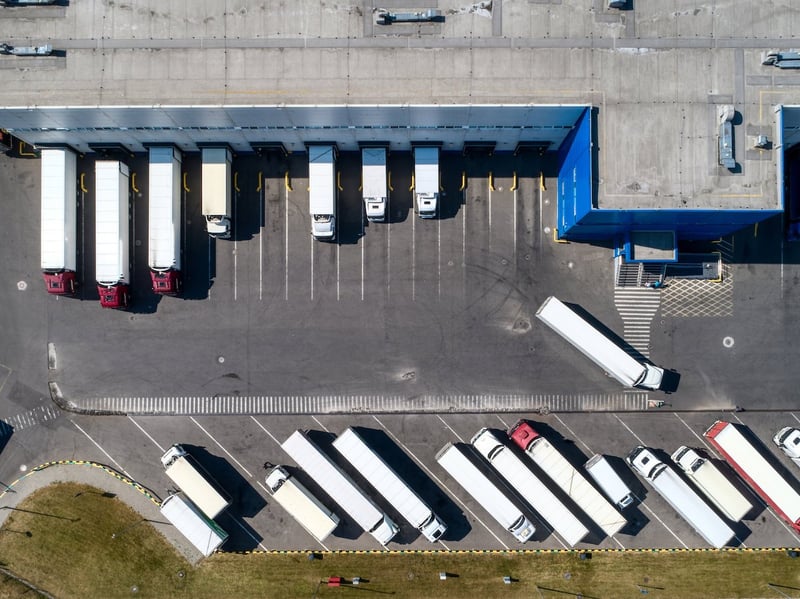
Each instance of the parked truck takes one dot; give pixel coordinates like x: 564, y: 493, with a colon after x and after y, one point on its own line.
x: 322, y: 191
x: 339, y: 487
x: 681, y: 497
x: 195, y: 482
x: 529, y: 487
x: 301, y: 504
x: 164, y: 226
x: 216, y: 190
x: 387, y: 482
x: 713, y: 483
x: 59, y: 220
x: 609, y: 481
x: 202, y: 532
x: 485, y: 492
x: 788, y: 439
x: 112, y: 234
x: 426, y: 180
x: 750, y: 463
x: 567, y: 477
x: 596, y: 346
x: 373, y: 183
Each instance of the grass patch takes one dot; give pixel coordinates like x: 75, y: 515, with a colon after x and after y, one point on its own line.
x: 70, y: 552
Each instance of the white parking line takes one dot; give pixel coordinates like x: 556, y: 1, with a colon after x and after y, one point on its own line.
x: 315, y: 419
x: 208, y: 237
x: 413, y: 256
x: 464, y: 229
x: 248, y: 533
x: 388, y: 245
x: 699, y: 438
x: 572, y: 433
x: 795, y: 417
x: 261, y: 426
x: 117, y: 464
x: 363, y: 249
x: 451, y: 430
x: 238, y: 463
x: 312, y: 267
x: 438, y: 480
x: 262, y: 224
x: 515, y: 226
x: 652, y: 513
x: 235, y: 270
x: 286, y: 245
x: 439, y: 254
x: 635, y: 436
x: 156, y: 443
x: 338, y: 262
x: 503, y: 422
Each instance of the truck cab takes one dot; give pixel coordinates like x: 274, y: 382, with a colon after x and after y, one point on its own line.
x: 373, y: 183
x: 426, y: 181
x: 114, y: 296
x: 645, y: 462
x: 788, y: 439
x: 322, y: 191
x: 523, y: 435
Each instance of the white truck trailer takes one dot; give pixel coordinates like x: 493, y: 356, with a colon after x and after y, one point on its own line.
x: 485, y: 492
x: 195, y: 482
x: 609, y: 480
x: 202, y: 532
x: 340, y: 487
x: 752, y: 466
x: 59, y: 220
x: 216, y: 190
x: 322, y: 191
x: 681, y: 497
x: 112, y: 233
x: 713, y: 483
x: 386, y: 481
x: 164, y: 220
x: 567, y: 477
x: 593, y: 344
x: 788, y: 439
x: 374, y: 188
x: 529, y: 487
x: 301, y: 504
x: 426, y: 180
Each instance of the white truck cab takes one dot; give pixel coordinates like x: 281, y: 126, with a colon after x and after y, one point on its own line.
x: 788, y: 439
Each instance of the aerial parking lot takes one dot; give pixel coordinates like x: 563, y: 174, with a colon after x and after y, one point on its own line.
x: 639, y: 163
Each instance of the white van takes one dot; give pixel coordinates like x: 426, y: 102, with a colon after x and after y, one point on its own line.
x: 609, y: 481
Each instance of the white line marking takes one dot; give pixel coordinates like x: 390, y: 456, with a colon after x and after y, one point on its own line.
x: 464, y: 229
x: 388, y: 245
x: 413, y: 256
x: 209, y: 265
x: 652, y: 513
x: 245, y: 470
x: 445, y: 546
x: 439, y: 254
x: 621, y: 546
x: 503, y: 422
x: 572, y: 433
x: 5, y: 378
x: 315, y: 419
x: 515, y: 227
x: 261, y: 242
x: 235, y: 270
x: 338, y: 261
x: 312, y: 268
x: 249, y: 534
x: 699, y: 438
x: 793, y: 416
x: 635, y: 436
x: 451, y: 430
x: 437, y: 479
x: 117, y: 464
x: 490, y: 220
x: 261, y: 426
x: 363, y: 246
x: 156, y: 443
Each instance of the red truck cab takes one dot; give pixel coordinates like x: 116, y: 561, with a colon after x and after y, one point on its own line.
x: 115, y: 296
x: 60, y: 283
x: 166, y: 282
x: 522, y: 434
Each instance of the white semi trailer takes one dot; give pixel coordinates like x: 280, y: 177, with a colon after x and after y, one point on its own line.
x: 59, y: 220
x: 216, y: 190
x: 596, y: 346
x: 194, y: 481
x: 164, y: 220
x: 386, y: 481
x: 567, y: 477
x: 529, y: 487
x: 301, y: 504
x: 426, y: 180
x: 485, y: 492
x: 689, y: 505
x: 339, y: 487
x: 374, y: 188
x: 202, y: 532
x: 112, y: 234
x: 322, y: 191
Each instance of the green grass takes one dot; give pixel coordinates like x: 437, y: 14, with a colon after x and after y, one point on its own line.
x: 70, y: 553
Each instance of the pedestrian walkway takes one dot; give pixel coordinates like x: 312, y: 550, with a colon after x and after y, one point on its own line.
x: 637, y: 306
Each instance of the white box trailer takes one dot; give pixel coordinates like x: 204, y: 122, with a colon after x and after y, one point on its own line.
x: 194, y: 481
x: 567, y: 477
x: 593, y: 344
x: 713, y: 483
x: 59, y: 220
x: 386, y: 481
x: 426, y: 180
x: 529, y: 487
x: 374, y: 186
x: 485, y: 492
x: 202, y: 532
x: 752, y: 466
x: 322, y: 191
x: 689, y: 505
x: 216, y: 190
x: 339, y: 487
x: 301, y: 504
x: 112, y: 233
x: 609, y: 480
x: 164, y: 220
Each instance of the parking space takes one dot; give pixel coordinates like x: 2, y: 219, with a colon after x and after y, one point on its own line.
x: 235, y: 449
